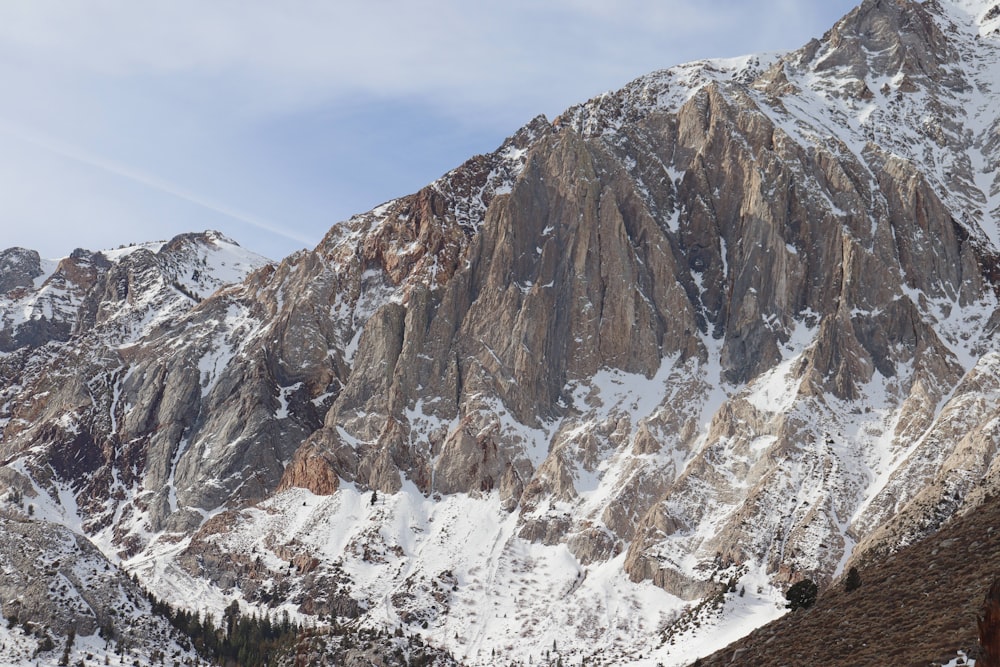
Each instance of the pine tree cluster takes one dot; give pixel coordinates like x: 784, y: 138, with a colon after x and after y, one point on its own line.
x: 249, y: 641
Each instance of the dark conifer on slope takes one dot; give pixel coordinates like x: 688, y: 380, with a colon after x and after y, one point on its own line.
x: 853, y: 580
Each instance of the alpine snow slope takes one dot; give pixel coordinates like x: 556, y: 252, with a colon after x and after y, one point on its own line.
x: 604, y: 393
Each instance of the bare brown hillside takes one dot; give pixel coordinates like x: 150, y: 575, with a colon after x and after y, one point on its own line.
x: 918, y: 607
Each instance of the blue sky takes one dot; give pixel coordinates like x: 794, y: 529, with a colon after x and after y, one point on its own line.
x: 124, y: 122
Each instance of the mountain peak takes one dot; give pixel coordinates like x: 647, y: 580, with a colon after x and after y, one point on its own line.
x: 731, y: 326
x: 53, y: 300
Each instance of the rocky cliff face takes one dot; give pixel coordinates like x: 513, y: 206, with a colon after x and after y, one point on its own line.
x: 94, y: 387
x: 54, y: 583
x: 736, y: 319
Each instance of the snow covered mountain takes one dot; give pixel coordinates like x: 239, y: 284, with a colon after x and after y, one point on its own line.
x: 603, y: 393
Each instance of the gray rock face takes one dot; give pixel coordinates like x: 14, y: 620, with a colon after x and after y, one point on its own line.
x: 110, y: 406
x: 18, y: 268
x: 57, y: 581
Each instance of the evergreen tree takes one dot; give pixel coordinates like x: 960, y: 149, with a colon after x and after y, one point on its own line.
x: 802, y: 595
x: 853, y: 581
x: 231, y: 616
x: 70, y: 638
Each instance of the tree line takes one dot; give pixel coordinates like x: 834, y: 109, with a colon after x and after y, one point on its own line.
x: 238, y: 639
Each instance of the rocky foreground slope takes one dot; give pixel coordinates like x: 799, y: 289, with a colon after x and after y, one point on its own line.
x: 916, y: 607
x: 728, y: 327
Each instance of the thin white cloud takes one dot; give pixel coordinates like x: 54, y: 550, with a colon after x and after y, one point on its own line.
x: 148, y: 180
x: 474, y: 54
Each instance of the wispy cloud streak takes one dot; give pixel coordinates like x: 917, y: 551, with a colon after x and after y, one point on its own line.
x: 134, y: 175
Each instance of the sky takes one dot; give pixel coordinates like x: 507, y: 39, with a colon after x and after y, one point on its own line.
x: 124, y: 122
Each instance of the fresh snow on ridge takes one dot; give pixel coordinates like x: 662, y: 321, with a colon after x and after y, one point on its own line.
x: 166, y: 280
x: 510, y: 598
